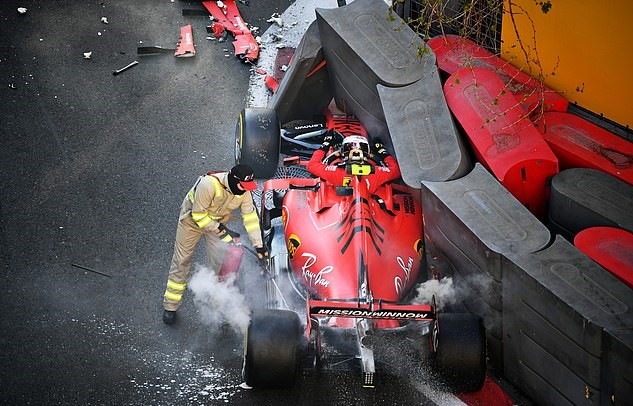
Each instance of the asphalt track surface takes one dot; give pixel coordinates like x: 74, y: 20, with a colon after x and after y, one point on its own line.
x: 93, y: 170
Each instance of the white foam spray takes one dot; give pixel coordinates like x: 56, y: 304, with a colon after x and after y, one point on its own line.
x: 219, y: 302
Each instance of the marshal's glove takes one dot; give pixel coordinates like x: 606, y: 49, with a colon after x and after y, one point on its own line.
x: 226, y: 234
x: 262, y: 256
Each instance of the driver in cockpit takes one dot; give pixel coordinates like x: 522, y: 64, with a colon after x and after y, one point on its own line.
x: 353, y: 158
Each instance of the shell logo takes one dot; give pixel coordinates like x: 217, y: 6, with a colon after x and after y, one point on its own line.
x: 293, y: 245
x: 418, y: 246
x: 284, y: 216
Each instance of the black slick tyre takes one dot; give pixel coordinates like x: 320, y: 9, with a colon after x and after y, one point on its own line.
x: 461, y: 353
x: 271, y: 353
x: 257, y: 140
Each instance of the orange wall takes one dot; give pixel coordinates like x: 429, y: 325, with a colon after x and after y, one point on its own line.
x: 585, y: 48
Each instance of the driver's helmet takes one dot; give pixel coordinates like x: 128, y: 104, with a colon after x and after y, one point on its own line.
x: 355, y: 147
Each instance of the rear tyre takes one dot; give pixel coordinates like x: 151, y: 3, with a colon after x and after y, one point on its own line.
x: 461, y: 352
x: 257, y: 140
x: 272, y: 345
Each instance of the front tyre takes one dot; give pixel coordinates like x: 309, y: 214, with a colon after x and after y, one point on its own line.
x: 271, y: 353
x: 461, y: 351
x: 257, y: 140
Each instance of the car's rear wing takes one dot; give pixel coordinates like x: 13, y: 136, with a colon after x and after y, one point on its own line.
x: 377, y: 309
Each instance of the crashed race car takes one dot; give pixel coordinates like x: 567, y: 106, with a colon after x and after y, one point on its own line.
x: 346, y: 259
x: 351, y: 258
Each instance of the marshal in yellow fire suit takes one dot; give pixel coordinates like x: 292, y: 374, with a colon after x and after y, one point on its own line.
x: 204, y: 212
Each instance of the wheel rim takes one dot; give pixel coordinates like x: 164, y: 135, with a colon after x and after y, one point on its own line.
x: 238, y: 141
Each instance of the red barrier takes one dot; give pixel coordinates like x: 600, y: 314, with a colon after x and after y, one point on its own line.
x: 611, y: 247
x: 454, y: 52
x: 503, y: 139
x: 490, y: 395
x: 579, y: 143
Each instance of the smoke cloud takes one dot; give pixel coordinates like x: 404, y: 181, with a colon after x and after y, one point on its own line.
x: 219, y: 302
x: 443, y: 289
x: 448, y: 293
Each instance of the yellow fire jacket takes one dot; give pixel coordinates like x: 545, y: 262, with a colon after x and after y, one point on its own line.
x: 212, y: 203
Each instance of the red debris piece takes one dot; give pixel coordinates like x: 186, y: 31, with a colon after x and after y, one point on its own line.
x: 228, y: 17
x: 185, y: 48
x: 271, y: 83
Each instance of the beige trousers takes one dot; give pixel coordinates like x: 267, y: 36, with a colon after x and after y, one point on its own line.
x: 188, y: 235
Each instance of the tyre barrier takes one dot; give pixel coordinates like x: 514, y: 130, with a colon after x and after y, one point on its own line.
x: 566, y: 324
x: 559, y: 326
x: 426, y: 142
x: 470, y: 225
x: 364, y: 48
x: 395, y: 96
x: 616, y: 386
x: 582, y: 198
x: 306, y: 75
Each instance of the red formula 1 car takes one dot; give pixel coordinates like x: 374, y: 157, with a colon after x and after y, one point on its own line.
x: 344, y: 263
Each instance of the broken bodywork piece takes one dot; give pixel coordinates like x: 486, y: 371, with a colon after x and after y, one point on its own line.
x: 184, y: 49
x: 226, y: 16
